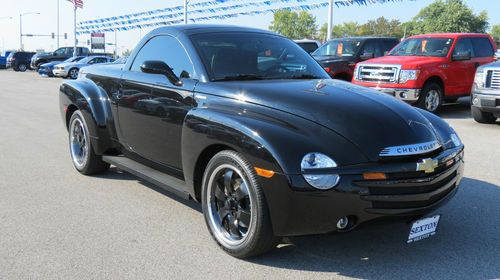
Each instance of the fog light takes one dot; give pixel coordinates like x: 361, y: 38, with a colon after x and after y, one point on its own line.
x: 343, y: 223
x: 475, y: 100
x: 402, y: 95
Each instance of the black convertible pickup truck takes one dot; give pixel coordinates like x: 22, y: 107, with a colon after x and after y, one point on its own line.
x: 248, y: 124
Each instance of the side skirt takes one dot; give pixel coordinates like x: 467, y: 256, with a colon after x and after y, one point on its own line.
x: 153, y: 176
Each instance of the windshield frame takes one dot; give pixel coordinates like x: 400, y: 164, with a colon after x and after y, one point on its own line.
x: 244, y: 77
x: 451, y: 44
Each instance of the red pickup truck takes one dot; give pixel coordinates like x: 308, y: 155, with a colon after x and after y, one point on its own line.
x: 428, y: 69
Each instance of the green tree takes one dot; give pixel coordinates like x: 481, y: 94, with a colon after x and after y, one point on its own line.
x: 295, y: 25
x: 495, y: 33
x: 449, y: 16
x: 382, y: 27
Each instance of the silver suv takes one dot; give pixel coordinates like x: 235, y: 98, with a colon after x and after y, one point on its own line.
x: 486, y: 93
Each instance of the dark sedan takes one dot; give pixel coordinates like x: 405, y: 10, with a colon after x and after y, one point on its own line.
x: 245, y: 122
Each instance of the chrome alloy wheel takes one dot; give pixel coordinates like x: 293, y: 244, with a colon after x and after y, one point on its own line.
x: 432, y: 100
x: 229, y: 205
x: 79, y: 143
x: 73, y: 73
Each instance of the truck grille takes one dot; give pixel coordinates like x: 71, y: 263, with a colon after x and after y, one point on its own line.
x: 394, y: 195
x: 493, y: 79
x: 379, y: 73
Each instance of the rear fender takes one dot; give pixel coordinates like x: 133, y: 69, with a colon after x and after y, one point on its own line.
x: 94, y: 105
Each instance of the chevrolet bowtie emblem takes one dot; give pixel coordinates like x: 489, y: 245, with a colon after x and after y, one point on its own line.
x: 427, y: 165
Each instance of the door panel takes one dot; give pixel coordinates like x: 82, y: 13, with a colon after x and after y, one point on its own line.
x: 461, y: 73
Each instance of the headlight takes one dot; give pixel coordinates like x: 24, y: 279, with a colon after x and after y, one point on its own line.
x: 479, y: 79
x: 317, y: 160
x: 455, y: 139
x: 408, y: 75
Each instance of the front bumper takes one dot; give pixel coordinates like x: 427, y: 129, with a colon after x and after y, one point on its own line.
x: 60, y: 72
x: 45, y: 72
x: 296, y: 209
x: 487, y: 100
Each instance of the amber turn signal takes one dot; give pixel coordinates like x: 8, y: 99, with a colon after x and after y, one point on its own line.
x: 374, y: 176
x: 264, y: 173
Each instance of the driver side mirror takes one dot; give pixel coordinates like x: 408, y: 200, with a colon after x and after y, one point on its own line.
x: 462, y: 56
x: 367, y: 55
x: 160, y: 67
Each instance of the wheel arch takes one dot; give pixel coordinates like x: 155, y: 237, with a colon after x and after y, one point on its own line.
x: 437, y: 80
x: 92, y: 101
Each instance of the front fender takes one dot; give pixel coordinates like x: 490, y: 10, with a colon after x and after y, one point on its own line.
x: 94, y: 104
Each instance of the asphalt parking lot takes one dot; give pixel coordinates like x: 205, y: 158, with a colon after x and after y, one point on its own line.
x: 58, y: 224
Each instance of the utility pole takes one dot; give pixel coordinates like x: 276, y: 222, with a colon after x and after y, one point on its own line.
x: 57, y: 23
x: 330, y: 20
x: 21, y: 47
x: 74, y: 21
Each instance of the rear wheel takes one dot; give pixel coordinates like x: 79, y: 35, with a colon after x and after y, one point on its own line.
x: 234, y: 206
x: 81, y: 149
x: 482, y: 117
x: 73, y: 73
x: 431, y: 97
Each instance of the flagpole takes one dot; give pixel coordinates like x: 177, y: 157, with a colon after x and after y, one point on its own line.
x: 74, y: 22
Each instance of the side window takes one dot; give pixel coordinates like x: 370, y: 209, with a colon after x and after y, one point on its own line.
x: 463, y: 45
x: 482, y: 47
x: 60, y: 51
x: 84, y: 51
x: 371, y: 47
x: 168, y: 50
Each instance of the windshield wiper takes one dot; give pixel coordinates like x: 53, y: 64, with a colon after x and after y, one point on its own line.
x: 243, y: 77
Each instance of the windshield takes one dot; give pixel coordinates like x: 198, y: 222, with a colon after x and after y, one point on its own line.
x: 438, y: 47
x: 339, y: 48
x: 249, y: 56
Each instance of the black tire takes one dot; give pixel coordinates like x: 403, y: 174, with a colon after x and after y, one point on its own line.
x: 22, y: 67
x: 259, y: 237
x: 431, y: 97
x: 73, y: 73
x: 84, y: 158
x: 482, y: 117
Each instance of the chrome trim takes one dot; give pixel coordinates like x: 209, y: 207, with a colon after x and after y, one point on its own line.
x: 410, y: 94
x: 413, y: 149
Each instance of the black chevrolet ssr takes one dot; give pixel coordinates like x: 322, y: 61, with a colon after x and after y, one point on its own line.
x: 247, y: 123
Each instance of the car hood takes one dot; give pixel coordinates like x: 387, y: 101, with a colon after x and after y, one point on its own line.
x: 370, y: 120
x: 408, y: 62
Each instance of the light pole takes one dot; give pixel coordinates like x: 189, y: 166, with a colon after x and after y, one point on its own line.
x: 330, y: 20
x: 186, y: 11
x: 57, y: 23
x: 21, y: 27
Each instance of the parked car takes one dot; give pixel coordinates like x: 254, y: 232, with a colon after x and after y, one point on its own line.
x: 428, y: 69
x: 121, y: 60
x: 339, y: 56
x: 486, y: 93
x: 70, y: 69
x: 3, y: 60
x: 269, y: 150
x: 60, y: 54
x: 19, y: 60
x: 47, y: 68
x: 308, y: 45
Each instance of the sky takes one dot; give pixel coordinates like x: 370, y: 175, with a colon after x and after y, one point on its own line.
x: 45, y: 22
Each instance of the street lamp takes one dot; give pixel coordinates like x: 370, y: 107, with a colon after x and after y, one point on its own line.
x: 21, y: 26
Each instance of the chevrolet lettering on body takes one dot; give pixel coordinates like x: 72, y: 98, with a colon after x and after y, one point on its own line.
x: 413, y: 149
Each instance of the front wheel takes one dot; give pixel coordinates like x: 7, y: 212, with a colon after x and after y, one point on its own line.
x: 234, y: 206
x: 431, y: 98
x: 81, y: 149
x: 73, y: 73
x: 22, y: 67
x: 482, y: 117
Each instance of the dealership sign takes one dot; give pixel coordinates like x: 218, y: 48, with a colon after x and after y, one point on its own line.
x: 97, y: 41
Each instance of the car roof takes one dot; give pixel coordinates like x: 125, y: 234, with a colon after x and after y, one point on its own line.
x: 450, y: 35
x: 190, y: 29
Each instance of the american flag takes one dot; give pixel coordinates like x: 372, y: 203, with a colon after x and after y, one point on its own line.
x: 77, y: 3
